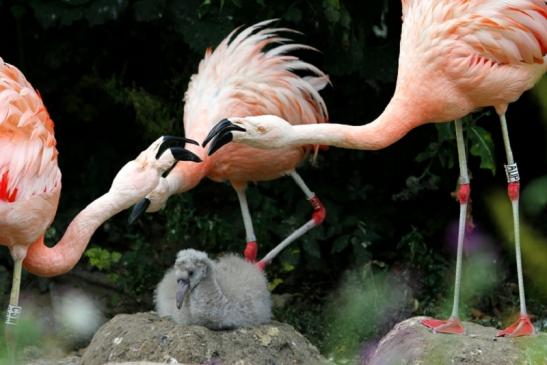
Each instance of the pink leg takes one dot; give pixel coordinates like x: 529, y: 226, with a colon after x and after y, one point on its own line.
x: 318, y: 216
x: 453, y: 324
x: 251, y: 249
x: 523, y: 326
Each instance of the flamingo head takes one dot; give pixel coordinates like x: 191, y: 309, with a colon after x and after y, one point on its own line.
x: 263, y: 131
x: 140, y: 176
x: 191, y: 268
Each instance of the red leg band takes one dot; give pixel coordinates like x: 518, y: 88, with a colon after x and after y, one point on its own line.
x: 513, y: 190
x: 319, y: 211
x: 261, y: 265
x: 251, y: 250
x: 464, y: 191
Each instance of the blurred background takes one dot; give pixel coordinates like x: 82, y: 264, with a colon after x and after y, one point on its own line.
x: 112, y: 75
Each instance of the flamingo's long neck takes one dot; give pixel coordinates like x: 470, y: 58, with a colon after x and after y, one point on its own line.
x: 400, y: 116
x: 59, y: 259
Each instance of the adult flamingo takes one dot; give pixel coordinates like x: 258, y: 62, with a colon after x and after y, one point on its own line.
x: 456, y: 56
x: 30, y: 185
x: 241, y: 78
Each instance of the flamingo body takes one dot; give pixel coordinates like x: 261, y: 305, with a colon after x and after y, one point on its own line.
x: 240, y: 78
x: 30, y: 183
x: 459, y: 56
x: 248, y: 73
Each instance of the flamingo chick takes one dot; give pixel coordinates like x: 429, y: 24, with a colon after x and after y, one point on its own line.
x: 226, y: 293
x: 250, y: 73
x: 30, y: 185
x: 456, y: 56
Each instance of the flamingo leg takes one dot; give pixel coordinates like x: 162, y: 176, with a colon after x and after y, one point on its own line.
x: 318, y: 216
x: 13, y: 309
x: 13, y: 312
x: 251, y: 249
x: 523, y: 326
x: 453, y: 324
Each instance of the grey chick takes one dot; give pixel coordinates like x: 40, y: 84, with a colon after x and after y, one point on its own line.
x: 223, y: 294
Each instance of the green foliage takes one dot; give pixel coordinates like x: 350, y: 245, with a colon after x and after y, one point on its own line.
x: 424, y: 261
x: 101, y: 258
x: 482, y: 146
x: 443, y: 152
x: 25, y: 334
x: 152, y: 113
x: 366, y: 299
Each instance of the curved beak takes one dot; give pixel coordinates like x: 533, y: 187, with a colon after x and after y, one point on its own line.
x: 138, y: 210
x: 220, y: 135
x: 182, y: 289
x: 176, y: 146
x: 172, y: 141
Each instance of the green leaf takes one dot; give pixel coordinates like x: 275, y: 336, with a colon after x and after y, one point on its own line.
x: 482, y: 146
x: 101, y: 258
x: 274, y: 283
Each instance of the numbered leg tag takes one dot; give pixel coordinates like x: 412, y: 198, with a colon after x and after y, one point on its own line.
x: 12, y: 315
x: 512, y: 173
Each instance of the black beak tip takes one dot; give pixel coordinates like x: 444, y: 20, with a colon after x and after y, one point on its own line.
x: 138, y: 210
x: 220, y: 141
x: 216, y: 130
x: 172, y: 141
x: 182, y: 154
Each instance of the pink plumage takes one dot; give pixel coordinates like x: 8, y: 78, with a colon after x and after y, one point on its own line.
x: 30, y: 179
x: 249, y: 73
x: 28, y: 157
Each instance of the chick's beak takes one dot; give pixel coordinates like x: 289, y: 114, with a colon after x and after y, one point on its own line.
x: 182, y: 288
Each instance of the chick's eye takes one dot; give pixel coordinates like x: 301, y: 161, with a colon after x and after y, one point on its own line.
x: 190, y: 273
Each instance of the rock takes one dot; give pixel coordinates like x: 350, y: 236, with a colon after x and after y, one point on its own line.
x: 410, y: 343
x: 146, y: 337
x: 33, y: 355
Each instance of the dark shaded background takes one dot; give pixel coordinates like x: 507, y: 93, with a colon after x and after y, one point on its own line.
x: 113, y: 74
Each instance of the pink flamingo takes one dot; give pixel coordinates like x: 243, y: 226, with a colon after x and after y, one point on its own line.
x: 456, y: 56
x: 30, y: 185
x: 241, y: 78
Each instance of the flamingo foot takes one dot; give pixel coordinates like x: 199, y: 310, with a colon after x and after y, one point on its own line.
x: 251, y: 251
x: 451, y: 325
x: 522, y: 327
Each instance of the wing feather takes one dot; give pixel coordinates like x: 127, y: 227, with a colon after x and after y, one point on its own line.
x: 251, y: 72
x: 28, y: 154
x: 502, y: 31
